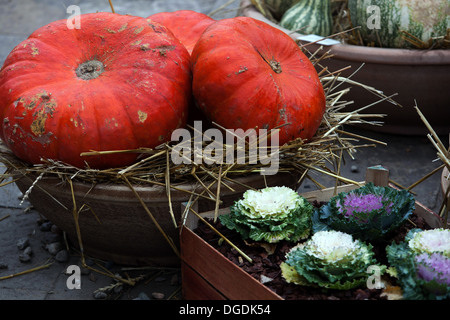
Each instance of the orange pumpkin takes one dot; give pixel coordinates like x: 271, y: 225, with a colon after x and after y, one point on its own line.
x: 186, y: 25
x: 248, y: 74
x: 119, y: 82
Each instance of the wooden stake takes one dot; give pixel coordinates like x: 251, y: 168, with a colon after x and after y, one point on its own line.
x: 378, y: 175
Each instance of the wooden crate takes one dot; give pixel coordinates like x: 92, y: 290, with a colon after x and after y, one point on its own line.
x: 208, y: 275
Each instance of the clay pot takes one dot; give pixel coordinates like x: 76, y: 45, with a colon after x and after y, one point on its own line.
x: 126, y: 234
x: 421, y: 75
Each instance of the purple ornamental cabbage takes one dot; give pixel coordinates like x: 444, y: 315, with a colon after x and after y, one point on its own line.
x: 362, y: 203
x: 368, y: 213
x: 422, y: 264
x: 433, y: 267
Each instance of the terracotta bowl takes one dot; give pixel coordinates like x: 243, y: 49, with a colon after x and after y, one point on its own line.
x: 421, y: 75
x: 126, y: 234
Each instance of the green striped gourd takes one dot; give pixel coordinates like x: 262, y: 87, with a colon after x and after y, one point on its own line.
x: 424, y: 19
x: 279, y: 7
x: 309, y: 17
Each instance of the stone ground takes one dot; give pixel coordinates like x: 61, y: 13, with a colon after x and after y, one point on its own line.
x: 408, y: 158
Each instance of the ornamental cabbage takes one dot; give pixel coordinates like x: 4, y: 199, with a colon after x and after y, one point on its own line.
x: 434, y: 240
x: 330, y: 259
x: 421, y: 264
x: 270, y: 215
x: 368, y: 213
x: 433, y: 267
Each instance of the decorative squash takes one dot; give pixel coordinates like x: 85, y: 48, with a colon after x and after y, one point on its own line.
x: 248, y: 74
x: 422, y: 19
x: 279, y: 7
x: 186, y: 25
x: 118, y: 82
x: 309, y: 17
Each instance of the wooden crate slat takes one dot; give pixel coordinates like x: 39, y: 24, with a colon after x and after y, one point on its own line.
x: 220, y: 271
x: 195, y: 287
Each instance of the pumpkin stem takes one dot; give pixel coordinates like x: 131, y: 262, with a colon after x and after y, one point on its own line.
x: 90, y: 69
x: 275, y: 65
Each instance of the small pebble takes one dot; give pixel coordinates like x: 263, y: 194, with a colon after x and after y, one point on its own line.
x: 23, y: 257
x: 55, y: 229
x: 142, y: 296
x: 100, y: 295
x: 62, y: 256
x: 40, y: 221
x: 265, y: 279
x: 354, y: 169
x: 50, y: 237
x: 157, y: 295
x: 118, y: 289
x: 3, y: 265
x: 54, y: 247
x: 45, y: 226
x: 28, y: 251
x: 23, y: 243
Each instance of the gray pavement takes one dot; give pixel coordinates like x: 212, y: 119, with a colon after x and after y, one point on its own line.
x: 408, y: 158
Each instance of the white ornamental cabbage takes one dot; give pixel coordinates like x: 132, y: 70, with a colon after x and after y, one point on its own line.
x: 332, y: 246
x: 430, y: 241
x: 276, y: 202
x: 271, y: 214
x: 330, y: 259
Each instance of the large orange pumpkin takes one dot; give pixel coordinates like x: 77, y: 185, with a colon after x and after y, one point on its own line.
x: 248, y: 74
x: 186, y: 25
x: 118, y: 82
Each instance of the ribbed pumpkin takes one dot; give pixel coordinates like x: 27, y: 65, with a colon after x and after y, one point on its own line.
x: 186, y: 25
x: 309, y: 17
x: 248, y: 74
x: 422, y: 19
x: 118, y: 82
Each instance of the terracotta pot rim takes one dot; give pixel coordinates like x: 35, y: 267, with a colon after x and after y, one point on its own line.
x: 115, y: 192
x: 365, y: 54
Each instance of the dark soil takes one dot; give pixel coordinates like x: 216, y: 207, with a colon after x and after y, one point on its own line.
x: 269, y: 264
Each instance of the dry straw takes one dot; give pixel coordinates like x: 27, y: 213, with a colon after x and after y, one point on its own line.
x: 443, y: 154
